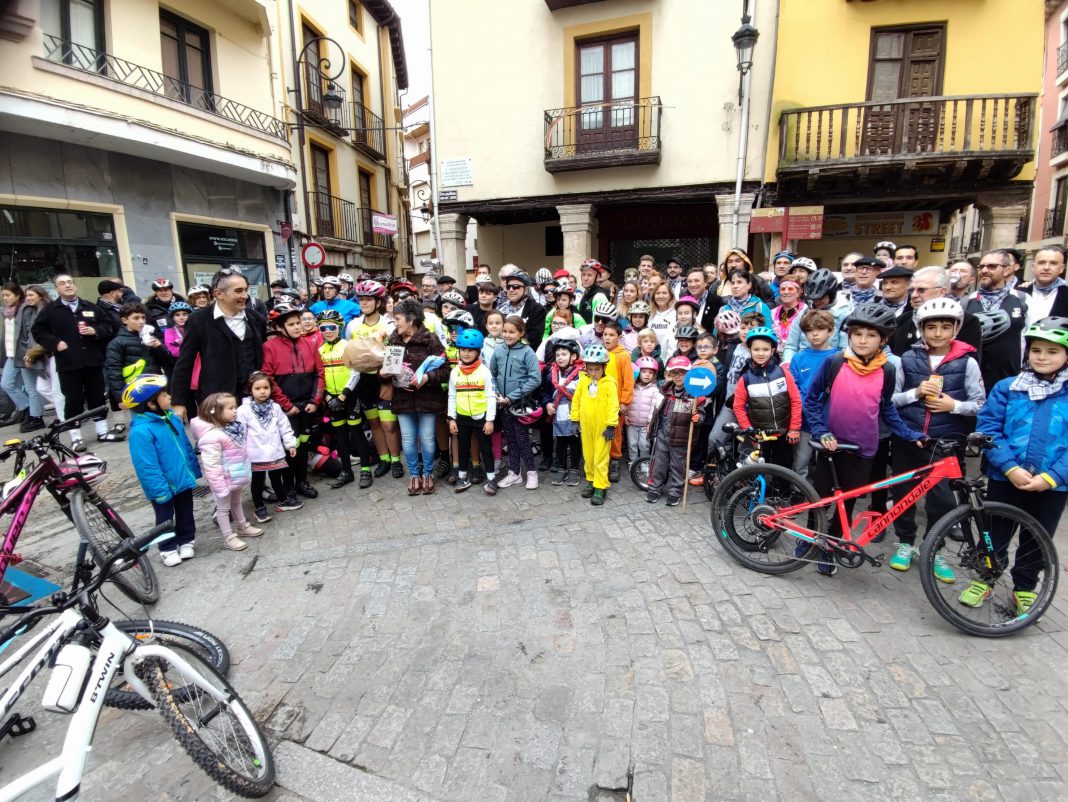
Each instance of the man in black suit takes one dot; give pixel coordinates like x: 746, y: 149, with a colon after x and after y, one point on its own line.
x: 928, y: 283
x: 77, y: 332
x: 228, y: 338
x: 710, y: 303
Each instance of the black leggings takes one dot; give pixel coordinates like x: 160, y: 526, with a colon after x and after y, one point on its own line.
x: 347, y: 428
x: 304, y: 427
x: 465, y: 427
x: 281, y: 482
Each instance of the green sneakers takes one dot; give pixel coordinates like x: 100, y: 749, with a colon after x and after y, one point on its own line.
x: 942, y: 571
x: 902, y: 560
x: 587, y: 491
x: 1024, y: 600
x: 598, y: 497
x: 975, y: 594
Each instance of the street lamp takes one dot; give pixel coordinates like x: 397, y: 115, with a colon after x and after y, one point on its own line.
x: 332, y: 98
x: 744, y: 40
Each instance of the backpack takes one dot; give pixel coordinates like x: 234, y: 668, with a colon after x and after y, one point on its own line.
x: 889, y: 377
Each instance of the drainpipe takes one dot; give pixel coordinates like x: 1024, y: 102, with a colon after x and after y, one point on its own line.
x: 300, y: 130
x: 743, y: 139
x: 434, y: 142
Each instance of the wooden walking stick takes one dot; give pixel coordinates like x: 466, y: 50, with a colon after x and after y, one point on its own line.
x: 689, y: 446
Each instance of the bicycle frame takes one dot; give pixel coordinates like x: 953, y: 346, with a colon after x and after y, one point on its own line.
x: 945, y: 468
x: 116, y: 649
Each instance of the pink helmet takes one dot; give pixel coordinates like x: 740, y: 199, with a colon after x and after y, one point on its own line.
x: 371, y: 289
x: 728, y: 321
x: 646, y: 363
x: 678, y: 363
x: 527, y: 412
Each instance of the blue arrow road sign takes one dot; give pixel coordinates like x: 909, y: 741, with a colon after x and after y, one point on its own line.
x: 700, y: 381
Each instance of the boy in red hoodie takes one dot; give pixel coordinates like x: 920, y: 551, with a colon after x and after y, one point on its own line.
x: 296, y: 370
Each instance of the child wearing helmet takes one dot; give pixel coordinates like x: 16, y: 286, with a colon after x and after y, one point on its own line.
x: 621, y: 369
x: 472, y: 407
x: 560, y: 380
x: 939, y: 390
x: 172, y: 335
x: 766, y: 397
x: 646, y: 399
x: 820, y: 291
x: 342, y: 404
x: 637, y: 320
x: 164, y: 463
x: 1027, y: 416
x: 669, y: 431
x: 595, y: 408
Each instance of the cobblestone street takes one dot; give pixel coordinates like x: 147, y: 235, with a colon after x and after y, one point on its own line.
x: 531, y: 647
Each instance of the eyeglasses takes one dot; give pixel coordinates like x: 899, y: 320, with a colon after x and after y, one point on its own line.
x: 514, y: 286
x: 991, y: 267
x: 325, y: 327
x: 921, y: 290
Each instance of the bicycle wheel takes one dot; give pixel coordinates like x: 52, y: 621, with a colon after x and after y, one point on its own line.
x: 180, y: 637
x: 748, y: 493
x: 1012, y: 544
x: 103, y: 530
x: 212, y: 723
x: 639, y: 473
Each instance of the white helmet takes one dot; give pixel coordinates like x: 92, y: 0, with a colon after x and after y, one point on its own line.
x: 606, y: 310
x: 939, y: 309
x: 345, y: 277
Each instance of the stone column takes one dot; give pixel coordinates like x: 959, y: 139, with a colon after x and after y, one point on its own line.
x: 579, y: 225
x: 1001, y: 224
x: 454, y: 247
x: 725, y: 214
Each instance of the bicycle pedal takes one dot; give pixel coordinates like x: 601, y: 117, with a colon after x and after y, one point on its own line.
x: 878, y: 559
x: 17, y: 726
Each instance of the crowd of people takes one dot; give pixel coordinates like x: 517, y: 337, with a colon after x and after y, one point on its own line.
x: 559, y: 374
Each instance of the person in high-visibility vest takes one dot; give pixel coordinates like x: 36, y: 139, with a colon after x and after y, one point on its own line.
x: 342, y: 404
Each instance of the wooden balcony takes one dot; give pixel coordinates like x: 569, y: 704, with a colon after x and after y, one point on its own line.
x: 610, y: 134
x: 948, y: 141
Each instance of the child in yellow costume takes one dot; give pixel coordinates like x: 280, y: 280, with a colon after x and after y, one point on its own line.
x: 595, y: 408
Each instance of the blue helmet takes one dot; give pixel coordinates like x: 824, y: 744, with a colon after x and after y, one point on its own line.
x: 179, y: 306
x: 470, y: 338
x: 761, y: 333
x: 142, y: 390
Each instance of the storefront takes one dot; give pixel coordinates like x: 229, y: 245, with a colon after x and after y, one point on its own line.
x: 687, y: 232
x: 38, y: 244
x: 207, y: 249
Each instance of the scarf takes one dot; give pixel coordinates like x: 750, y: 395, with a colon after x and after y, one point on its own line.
x: 738, y: 304
x: 860, y: 296
x: 782, y: 317
x: 1036, y: 387
x: 991, y: 299
x: 235, y: 430
x: 9, y: 311
x: 1053, y: 285
x: 863, y: 368
x: 264, y: 412
x: 508, y: 308
x: 467, y: 370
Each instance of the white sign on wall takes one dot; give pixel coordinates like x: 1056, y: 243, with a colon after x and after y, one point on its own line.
x: 382, y: 223
x: 456, y: 173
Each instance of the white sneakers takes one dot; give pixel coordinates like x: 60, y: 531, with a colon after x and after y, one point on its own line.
x: 532, y: 480
x: 509, y: 480
x: 185, y: 551
x: 170, y: 558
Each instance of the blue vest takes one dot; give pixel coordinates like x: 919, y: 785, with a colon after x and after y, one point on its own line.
x: 917, y: 368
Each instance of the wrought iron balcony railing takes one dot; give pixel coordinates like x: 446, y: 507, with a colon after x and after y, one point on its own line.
x: 908, y: 129
x: 603, y: 135
x: 334, y: 217
x: 323, y: 101
x: 372, y: 139
x: 1054, y: 223
x: 1058, y: 142
x: 368, y: 235
x: 121, y: 71
x: 1062, y: 58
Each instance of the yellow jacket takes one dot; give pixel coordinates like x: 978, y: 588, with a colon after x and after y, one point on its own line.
x: 598, y: 411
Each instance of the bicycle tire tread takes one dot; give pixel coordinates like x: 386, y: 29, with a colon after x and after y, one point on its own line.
x: 144, y: 593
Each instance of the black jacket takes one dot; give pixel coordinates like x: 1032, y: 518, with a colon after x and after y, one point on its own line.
x: 905, y: 335
x: 125, y: 349
x: 533, y: 315
x: 713, y: 303
x: 158, y: 313
x: 220, y: 351
x: 1060, y: 303
x: 57, y: 323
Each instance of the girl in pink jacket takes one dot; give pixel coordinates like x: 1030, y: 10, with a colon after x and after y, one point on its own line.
x: 221, y: 439
x: 643, y: 406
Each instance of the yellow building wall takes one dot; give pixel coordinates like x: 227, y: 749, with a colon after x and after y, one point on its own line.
x: 992, y: 47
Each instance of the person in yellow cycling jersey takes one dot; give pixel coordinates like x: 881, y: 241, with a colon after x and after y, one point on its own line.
x: 341, y: 403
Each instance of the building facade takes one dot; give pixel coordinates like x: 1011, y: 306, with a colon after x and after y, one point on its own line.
x: 595, y: 129
x: 904, y: 130
x: 128, y: 155
x: 345, y: 66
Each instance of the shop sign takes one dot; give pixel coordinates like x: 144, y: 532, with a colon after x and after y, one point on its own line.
x: 447, y: 195
x: 456, y: 173
x: 804, y: 222
x: 223, y: 244
x: 768, y: 220
x: 881, y: 225
x: 382, y: 223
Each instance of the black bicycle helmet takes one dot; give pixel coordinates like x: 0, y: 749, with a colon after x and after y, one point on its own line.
x: 821, y: 283
x: 993, y: 324
x: 876, y: 316
x: 686, y: 333
x: 567, y: 344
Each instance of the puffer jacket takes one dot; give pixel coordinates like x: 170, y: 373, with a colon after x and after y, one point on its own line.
x: 127, y: 358
x: 296, y: 370
x: 766, y: 398
x: 674, y: 413
x: 515, y: 370
x: 225, y: 463
x: 643, y: 404
x: 431, y: 397
x: 266, y: 442
x: 162, y: 456
x: 961, y: 380
x: 1027, y: 434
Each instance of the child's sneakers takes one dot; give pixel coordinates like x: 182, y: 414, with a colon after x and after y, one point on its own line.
x: 462, y: 483
x: 559, y: 478
x: 652, y: 497
x: 508, y: 480
x: 613, y: 470
x: 170, y: 558
x: 248, y: 530
x: 587, y: 491
x: 186, y: 552
x: 234, y: 543
x: 1024, y: 599
x: 825, y: 563
x: 673, y: 501
x: 598, y: 497
x: 942, y: 571
x: 291, y: 503
x: 262, y: 516
x: 532, y: 480
x: 571, y: 478
x: 975, y: 594
x: 902, y: 559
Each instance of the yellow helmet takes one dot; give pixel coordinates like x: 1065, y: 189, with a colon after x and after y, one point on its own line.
x: 143, y: 389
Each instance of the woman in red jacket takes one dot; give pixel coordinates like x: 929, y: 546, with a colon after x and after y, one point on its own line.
x: 296, y: 370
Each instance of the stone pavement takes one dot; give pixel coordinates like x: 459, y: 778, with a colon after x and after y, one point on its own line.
x: 532, y: 647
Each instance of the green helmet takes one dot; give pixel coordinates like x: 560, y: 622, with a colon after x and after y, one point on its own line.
x: 1050, y: 329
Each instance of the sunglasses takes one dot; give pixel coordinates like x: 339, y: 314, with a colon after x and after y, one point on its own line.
x: 514, y: 286
x: 324, y: 327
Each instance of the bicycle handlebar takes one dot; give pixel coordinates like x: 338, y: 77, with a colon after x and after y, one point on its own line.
x: 70, y: 423
x: 129, y: 549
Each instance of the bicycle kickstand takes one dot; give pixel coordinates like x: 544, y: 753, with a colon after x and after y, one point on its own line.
x: 17, y: 726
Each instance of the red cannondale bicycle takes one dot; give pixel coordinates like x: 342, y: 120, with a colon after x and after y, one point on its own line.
x: 997, y: 566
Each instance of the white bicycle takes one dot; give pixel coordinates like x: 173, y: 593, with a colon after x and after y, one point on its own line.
x: 204, y: 712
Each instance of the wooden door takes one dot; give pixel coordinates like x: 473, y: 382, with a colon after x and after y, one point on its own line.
x: 323, y: 203
x: 905, y: 62
x: 607, y: 73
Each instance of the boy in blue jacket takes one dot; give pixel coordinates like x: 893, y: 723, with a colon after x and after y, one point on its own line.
x: 818, y: 326
x: 1027, y: 416
x: 164, y: 462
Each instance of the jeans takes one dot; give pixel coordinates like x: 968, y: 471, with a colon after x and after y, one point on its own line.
x: 21, y: 386
x: 418, y: 433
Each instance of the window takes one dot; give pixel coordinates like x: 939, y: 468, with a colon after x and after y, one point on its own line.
x: 366, y: 206
x: 322, y: 203
x: 74, y: 32
x: 186, y: 61
x: 35, y: 244
x: 355, y: 15
x: 607, y: 73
